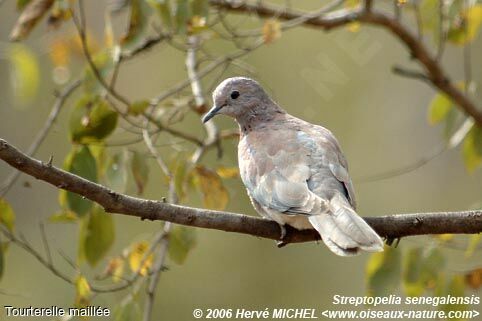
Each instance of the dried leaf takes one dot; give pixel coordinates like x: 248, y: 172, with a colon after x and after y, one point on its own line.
x: 115, y: 269
x: 215, y: 195
x: 29, y: 17
x: 271, y: 30
x: 474, y: 278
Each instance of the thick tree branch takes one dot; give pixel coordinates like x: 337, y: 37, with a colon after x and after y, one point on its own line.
x: 391, y: 226
x: 435, y: 73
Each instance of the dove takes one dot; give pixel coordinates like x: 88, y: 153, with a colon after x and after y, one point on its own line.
x: 294, y: 172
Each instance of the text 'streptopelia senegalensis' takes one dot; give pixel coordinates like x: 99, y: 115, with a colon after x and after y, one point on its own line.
x: 294, y: 171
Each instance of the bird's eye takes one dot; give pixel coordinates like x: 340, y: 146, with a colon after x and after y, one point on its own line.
x: 234, y: 94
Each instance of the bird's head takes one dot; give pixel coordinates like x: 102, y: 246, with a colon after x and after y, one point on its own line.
x: 239, y: 97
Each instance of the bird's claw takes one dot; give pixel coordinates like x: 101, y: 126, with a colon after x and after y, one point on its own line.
x: 281, y: 242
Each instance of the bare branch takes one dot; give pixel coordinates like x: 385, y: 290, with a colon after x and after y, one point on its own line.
x: 391, y: 226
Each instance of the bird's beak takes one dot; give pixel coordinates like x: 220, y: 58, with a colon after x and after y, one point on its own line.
x: 211, y: 113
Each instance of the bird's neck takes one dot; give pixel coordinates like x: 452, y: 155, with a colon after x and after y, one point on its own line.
x: 259, y: 117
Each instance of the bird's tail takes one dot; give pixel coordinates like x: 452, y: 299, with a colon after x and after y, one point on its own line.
x: 343, y: 231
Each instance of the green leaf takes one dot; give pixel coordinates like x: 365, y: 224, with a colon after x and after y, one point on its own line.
x: 97, y: 235
x: 465, y: 28
x: 439, y: 108
x: 472, y: 149
x: 456, y: 288
x: 138, y: 107
x: 128, y: 310
x: 200, y: 8
x: 137, y: 22
x: 430, y: 21
x: 64, y: 216
x: 21, y: 4
x: 79, y: 162
x: 215, y: 195
x: 163, y: 8
x: 92, y: 120
x: 140, y: 171
x: 24, y: 73
x: 180, y: 171
x: 473, y: 244
x: 104, y: 63
x: 181, y: 240
x: 2, y: 260
x: 183, y: 15
x: 7, y: 216
x: 383, y: 272
x: 421, y: 270
x: 116, y: 173
x: 411, y: 272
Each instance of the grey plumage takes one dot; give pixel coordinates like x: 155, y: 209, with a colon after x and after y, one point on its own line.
x: 294, y: 171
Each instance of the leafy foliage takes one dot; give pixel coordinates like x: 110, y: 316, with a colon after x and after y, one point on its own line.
x: 7, y: 216
x: 92, y: 120
x: 80, y: 162
x: 96, y: 235
x: 182, y: 240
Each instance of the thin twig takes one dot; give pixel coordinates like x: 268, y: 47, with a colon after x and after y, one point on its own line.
x: 60, y: 100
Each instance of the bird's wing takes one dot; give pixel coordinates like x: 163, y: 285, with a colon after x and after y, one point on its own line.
x: 275, y: 169
x: 327, y: 163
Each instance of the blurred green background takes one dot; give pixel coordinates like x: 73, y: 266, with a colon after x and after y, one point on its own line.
x: 340, y: 79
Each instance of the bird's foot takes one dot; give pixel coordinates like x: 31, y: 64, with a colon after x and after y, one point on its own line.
x: 281, y: 242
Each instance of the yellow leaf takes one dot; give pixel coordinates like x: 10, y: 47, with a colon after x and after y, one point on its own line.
x: 215, y: 195
x: 445, y: 237
x: 137, y: 257
x: 351, y: 4
x: 227, y: 172
x: 466, y: 26
x: 25, y: 72
x: 271, y: 30
x: 354, y: 26
x: 7, y: 216
x: 83, y: 291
